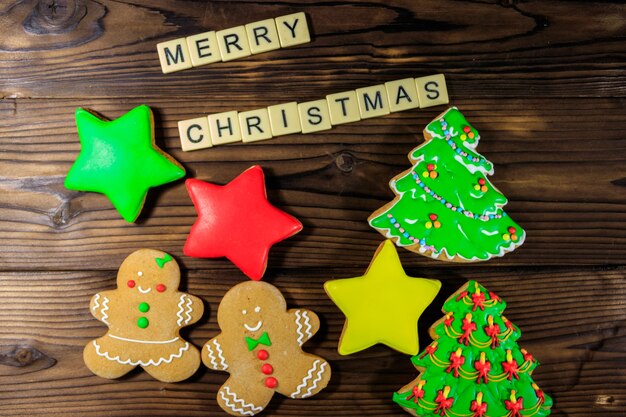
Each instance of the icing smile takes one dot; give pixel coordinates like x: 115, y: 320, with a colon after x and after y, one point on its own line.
x: 141, y: 290
x: 255, y: 328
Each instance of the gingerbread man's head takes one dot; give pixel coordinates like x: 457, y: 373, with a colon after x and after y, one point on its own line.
x: 148, y: 271
x: 251, y: 308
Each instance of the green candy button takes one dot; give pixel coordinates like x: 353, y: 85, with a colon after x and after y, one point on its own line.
x: 142, y: 322
x: 144, y: 307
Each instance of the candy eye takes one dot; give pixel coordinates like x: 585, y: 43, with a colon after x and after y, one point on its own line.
x: 160, y: 288
x: 140, y: 274
x: 131, y: 283
x: 244, y: 312
x: 257, y: 309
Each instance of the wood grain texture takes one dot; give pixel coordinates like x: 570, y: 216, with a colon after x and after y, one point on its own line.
x: 574, y: 338
x: 561, y: 164
x: 487, y: 48
x: 543, y: 81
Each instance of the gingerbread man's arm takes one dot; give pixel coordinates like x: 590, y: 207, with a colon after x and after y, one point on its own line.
x: 306, y: 323
x: 100, y: 306
x: 213, y: 355
x: 189, y: 309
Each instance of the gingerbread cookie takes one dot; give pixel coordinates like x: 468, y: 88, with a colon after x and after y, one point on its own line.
x: 445, y: 206
x: 145, y: 314
x: 260, y: 346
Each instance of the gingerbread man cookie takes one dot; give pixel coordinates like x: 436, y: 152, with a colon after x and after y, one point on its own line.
x: 145, y: 314
x: 260, y: 346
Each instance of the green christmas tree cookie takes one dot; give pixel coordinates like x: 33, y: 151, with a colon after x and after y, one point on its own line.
x: 446, y: 208
x: 474, y: 367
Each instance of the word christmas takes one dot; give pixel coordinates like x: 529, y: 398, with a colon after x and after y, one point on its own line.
x: 313, y: 116
x: 238, y: 42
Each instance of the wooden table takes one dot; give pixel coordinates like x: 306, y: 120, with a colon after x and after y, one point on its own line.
x: 543, y: 81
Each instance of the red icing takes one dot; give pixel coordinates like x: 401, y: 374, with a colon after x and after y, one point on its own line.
x: 481, y: 181
x: 527, y: 356
x: 512, y: 230
x: 478, y: 299
x: 430, y: 167
x: 267, y: 369
x: 417, y: 393
x: 483, y: 371
x: 448, y: 321
x: 455, y: 363
x: 468, y: 327
x: 466, y: 129
x: 480, y: 410
x: 262, y: 354
x: 271, y: 382
x: 237, y: 221
x: 461, y: 295
x: 160, y: 288
x: 443, y: 403
x: 492, y: 331
x: 511, y: 369
x: 432, y: 217
x: 131, y: 283
x: 514, y: 407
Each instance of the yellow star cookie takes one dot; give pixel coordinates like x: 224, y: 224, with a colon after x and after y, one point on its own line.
x: 383, y: 305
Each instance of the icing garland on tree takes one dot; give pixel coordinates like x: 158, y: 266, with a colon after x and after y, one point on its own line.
x: 445, y: 206
x: 474, y: 367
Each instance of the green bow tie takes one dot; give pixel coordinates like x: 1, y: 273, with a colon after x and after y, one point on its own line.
x: 263, y: 340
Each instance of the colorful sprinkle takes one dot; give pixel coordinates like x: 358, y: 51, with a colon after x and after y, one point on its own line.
x: 506, y: 237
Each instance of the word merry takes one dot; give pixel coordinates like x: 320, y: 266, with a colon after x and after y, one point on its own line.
x: 312, y: 116
x: 238, y: 42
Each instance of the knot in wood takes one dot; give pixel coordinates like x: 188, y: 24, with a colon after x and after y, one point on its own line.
x: 345, y: 161
x: 51, y: 17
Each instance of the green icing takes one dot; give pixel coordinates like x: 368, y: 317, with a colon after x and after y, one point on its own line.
x: 162, y: 261
x: 473, y: 225
x: 264, y: 339
x: 464, y: 388
x: 120, y: 160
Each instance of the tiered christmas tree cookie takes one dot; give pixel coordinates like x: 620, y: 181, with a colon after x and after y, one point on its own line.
x: 446, y: 208
x: 474, y: 367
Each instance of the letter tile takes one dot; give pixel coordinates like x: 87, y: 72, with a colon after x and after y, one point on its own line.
x: 293, y: 29
x: 432, y: 90
x: 284, y: 119
x: 255, y: 125
x: 203, y: 48
x: 402, y: 95
x: 233, y: 43
x: 224, y: 128
x: 343, y: 107
x: 194, y: 134
x: 373, y: 101
x: 262, y: 36
x: 174, y: 55
x: 314, y: 116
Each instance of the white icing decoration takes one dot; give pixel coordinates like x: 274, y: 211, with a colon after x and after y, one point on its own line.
x: 255, y: 328
x: 140, y: 274
x: 181, y: 310
x: 241, y: 410
x: 142, y: 290
x: 151, y: 362
x: 306, y: 335
x: 222, y: 366
x: 313, y: 381
x: 411, y: 221
x: 155, y: 342
x: 188, y: 310
x: 220, y: 353
x: 485, y: 232
x: 97, y: 304
x: 257, y: 309
x: 105, y: 308
x: 244, y: 312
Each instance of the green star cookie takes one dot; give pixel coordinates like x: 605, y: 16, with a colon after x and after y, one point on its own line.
x: 119, y: 159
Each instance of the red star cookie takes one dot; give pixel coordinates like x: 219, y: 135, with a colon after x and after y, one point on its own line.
x: 237, y: 221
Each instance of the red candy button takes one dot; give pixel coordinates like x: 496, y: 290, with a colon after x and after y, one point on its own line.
x: 430, y: 167
x: 466, y: 129
x: 271, y: 382
x: 160, y: 288
x: 512, y: 230
x: 481, y: 181
x: 131, y: 283
x: 432, y: 217
x: 262, y: 354
x: 267, y: 369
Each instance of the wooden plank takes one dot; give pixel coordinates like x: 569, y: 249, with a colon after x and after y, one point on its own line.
x: 571, y: 320
x: 532, y: 49
x: 560, y: 163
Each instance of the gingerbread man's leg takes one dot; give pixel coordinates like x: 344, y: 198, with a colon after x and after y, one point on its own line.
x: 177, y: 367
x: 101, y: 365
x: 243, y: 398
x: 313, y: 376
